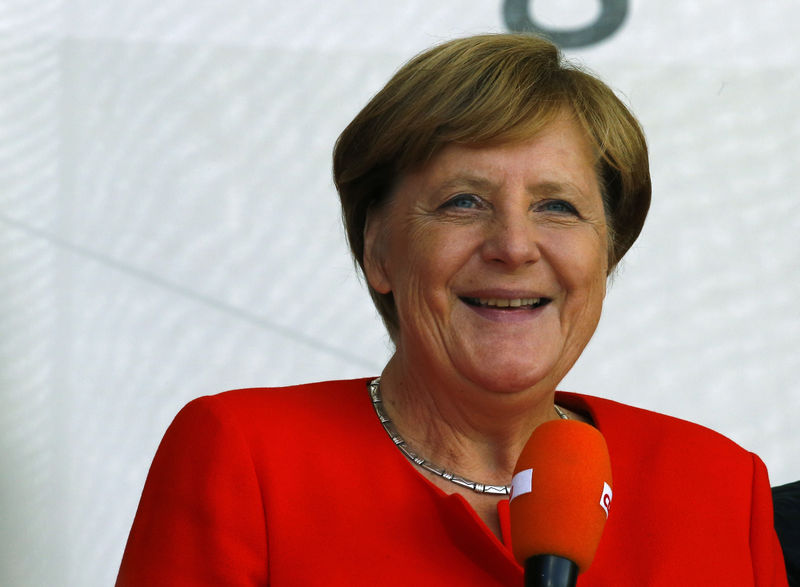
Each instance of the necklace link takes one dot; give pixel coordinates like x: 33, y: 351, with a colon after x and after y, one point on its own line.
x: 374, y: 387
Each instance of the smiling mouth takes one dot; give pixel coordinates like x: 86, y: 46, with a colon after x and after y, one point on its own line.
x: 507, y: 304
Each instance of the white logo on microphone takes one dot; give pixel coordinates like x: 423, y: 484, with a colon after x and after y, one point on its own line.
x: 521, y: 483
x: 605, y: 499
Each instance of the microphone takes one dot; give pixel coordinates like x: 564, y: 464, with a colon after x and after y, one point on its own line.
x: 560, y: 495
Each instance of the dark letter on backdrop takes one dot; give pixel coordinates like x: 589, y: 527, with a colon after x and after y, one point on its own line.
x: 612, y: 15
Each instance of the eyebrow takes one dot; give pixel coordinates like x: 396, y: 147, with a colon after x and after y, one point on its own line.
x: 554, y: 188
x: 547, y: 188
x: 468, y: 182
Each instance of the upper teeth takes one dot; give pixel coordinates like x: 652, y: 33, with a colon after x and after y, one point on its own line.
x: 506, y: 303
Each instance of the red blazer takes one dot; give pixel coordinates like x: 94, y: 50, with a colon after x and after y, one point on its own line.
x: 301, y: 486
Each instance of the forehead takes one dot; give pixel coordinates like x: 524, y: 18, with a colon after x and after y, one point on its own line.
x: 559, y: 154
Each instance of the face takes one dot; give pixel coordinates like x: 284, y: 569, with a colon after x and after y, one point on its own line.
x: 497, y: 260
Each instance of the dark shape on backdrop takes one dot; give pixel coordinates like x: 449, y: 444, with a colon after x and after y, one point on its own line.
x: 518, y: 19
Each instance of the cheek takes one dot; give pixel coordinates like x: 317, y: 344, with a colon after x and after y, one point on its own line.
x: 425, y: 263
x: 583, y: 268
x: 587, y: 255
x: 434, y: 253
x: 596, y: 274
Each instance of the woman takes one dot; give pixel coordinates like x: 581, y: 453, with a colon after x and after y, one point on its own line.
x: 488, y: 191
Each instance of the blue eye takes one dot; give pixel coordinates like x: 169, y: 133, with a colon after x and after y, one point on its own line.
x: 464, y: 201
x: 559, y: 206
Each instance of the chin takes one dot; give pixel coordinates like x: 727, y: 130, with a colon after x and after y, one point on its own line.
x: 512, y: 379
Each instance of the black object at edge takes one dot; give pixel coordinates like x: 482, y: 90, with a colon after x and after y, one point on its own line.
x: 549, y: 570
x: 786, y: 499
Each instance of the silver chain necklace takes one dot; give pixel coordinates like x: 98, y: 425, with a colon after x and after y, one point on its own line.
x: 377, y: 403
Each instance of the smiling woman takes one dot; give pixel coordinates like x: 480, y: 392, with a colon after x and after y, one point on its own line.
x: 487, y: 191
x: 490, y: 90
x: 463, y: 240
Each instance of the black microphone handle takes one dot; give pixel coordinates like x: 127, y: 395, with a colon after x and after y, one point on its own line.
x: 549, y: 570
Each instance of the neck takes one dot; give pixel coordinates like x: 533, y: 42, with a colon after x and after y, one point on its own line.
x: 458, y: 426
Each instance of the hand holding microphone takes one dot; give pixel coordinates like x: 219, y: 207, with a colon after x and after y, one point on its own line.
x: 560, y: 496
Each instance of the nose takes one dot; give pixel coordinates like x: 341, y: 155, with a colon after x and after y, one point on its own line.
x: 512, y: 240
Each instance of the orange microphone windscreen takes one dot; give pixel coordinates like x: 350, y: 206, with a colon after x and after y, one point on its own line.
x: 560, y: 494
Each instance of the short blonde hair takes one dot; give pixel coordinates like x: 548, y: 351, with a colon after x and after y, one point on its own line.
x: 485, y: 90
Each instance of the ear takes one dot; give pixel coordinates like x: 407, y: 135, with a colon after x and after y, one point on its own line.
x: 375, y: 246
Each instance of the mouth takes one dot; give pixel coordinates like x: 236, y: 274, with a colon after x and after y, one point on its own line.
x: 509, y: 304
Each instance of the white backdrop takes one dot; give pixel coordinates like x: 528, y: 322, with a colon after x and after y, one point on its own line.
x: 168, y: 228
